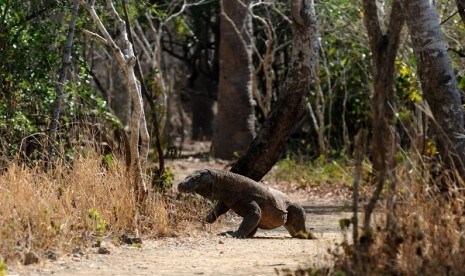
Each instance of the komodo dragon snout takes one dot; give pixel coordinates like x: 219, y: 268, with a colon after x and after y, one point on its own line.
x: 198, y: 182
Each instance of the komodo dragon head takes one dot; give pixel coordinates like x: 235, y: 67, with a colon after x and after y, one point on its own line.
x: 199, y: 182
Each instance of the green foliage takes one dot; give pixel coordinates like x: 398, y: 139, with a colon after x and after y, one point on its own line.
x: 154, y: 8
x: 100, y: 224
x: 347, y: 60
x: 108, y: 160
x: 2, y: 268
x: 167, y: 178
x: 29, y: 56
x: 462, y: 83
x: 345, y: 223
x: 312, y: 173
x: 344, y: 77
x: 181, y: 27
x: 32, y: 36
x: 163, y: 180
x: 407, y: 83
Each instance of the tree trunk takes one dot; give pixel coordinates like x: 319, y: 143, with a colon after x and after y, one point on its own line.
x: 269, y: 144
x: 127, y: 60
x: 65, y: 63
x: 384, y: 50
x: 461, y: 9
x: 144, y: 134
x: 202, y: 91
x: 235, y: 123
x: 437, y: 80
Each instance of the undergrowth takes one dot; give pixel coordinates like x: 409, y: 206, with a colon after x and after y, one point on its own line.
x: 429, y: 233
x: 313, y: 173
x: 425, y: 235
x: 78, y: 203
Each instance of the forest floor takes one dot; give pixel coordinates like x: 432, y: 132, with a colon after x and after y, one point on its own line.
x: 203, y: 251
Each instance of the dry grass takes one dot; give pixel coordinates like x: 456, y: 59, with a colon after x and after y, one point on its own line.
x: 77, y: 204
x: 430, y: 235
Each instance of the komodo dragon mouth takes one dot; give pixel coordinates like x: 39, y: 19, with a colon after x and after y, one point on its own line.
x: 199, y: 182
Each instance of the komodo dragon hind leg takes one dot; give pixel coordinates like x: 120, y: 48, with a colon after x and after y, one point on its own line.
x: 295, y: 223
x: 249, y: 224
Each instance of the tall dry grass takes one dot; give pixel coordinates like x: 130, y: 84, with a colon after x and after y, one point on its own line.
x: 77, y: 204
x: 430, y: 231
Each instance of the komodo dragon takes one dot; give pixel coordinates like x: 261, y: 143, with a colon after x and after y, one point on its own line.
x: 261, y: 207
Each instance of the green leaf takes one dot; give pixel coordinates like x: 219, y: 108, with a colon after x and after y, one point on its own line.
x: 2, y: 268
x: 462, y: 83
x: 344, y: 62
x: 344, y: 223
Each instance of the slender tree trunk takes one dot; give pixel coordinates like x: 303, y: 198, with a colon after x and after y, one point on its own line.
x: 461, y: 9
x: 269, y: 143
x: 127, y: 62
x: 153, y: 112
x: 358, y: 156
x: 438, y: 81
x: 384, y: 50
x: 235, y: 123
x: 320, y: 114
x: 345, y: 129
x: 65, y: 64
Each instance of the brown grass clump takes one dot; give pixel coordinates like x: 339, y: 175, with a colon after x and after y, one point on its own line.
x: 429, y: 237
x: 77, y: 204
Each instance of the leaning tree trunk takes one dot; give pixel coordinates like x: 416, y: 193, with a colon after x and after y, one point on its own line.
x: 437, y: 80
x: 235, y: 123
x: 269, y: 143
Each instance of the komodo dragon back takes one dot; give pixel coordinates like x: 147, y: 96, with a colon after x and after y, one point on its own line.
x: 241, y: 185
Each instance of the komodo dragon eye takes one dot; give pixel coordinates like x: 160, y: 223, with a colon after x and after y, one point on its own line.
x: 198, y: 174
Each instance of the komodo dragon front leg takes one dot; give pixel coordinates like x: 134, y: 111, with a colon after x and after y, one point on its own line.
x: 248, y: 227
x: 219, y: 209
x: 251, y: 214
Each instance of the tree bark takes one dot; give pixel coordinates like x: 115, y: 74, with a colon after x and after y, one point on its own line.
x: 153, y: 112
x: 384, y: 50
x: 234, y: 128
x: 437, y: 80
x: 127, y: 60
x: 65, y: 63
x: 461, y: 9
x: 269, y: 144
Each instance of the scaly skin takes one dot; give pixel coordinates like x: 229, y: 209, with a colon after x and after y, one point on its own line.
x: 261, y: 207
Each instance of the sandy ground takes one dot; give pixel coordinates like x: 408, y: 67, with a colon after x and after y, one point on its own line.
x: 207, y: 253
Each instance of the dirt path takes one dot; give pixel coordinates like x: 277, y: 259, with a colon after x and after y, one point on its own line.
x: 205, y: 252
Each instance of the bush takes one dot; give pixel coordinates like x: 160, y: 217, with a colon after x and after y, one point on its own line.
x: 312, y: 173
x: 78, y: 204
x: 428, y: 236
